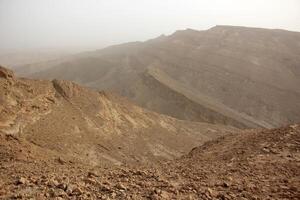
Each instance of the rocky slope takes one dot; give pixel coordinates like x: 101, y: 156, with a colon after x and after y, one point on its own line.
x: 249, y: 165
x: 234, y: 74
x: 98, y: 128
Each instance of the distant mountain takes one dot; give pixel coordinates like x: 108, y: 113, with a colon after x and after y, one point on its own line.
x: 245, y: 77
x: 15, y: 59
x: 98, y: 128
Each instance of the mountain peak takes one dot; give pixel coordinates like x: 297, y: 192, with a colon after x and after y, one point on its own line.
x: 186, y: 31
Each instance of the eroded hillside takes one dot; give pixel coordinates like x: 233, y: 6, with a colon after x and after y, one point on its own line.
x: 252, y: 72
x: 96, y: 127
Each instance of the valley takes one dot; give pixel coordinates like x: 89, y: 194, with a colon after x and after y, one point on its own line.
x: 210, y: 114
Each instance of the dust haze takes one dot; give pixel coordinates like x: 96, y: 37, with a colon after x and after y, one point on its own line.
x: 79, y: 25
x: 154, y: 100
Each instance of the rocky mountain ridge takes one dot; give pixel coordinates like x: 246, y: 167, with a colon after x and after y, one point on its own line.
x: 249, y: 75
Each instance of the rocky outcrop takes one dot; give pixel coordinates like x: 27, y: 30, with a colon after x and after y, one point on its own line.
x: 66, y: 89
x: 6, y: 73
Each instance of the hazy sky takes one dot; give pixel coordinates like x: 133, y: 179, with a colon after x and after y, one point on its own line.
x: 88, y: 24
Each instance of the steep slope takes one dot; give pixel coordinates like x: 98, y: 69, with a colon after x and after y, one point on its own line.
x: 249, y: 165
x: 97, y: 127
x: 252, y: 72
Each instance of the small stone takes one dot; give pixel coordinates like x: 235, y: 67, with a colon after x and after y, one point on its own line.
x: 105, y: 188
x: 90, y: 181
x: 265, y: 149
x: 92, y: 174
x: 229, y: 178
x: 51, y: 99
x: 53, y: 183
x: 157, y: 191
x: 17, y: 196
x: 77, y: 191
x: 210, y: 193
x: 60, y: 193
x: 293, y: 188
x: 51, y: 193
x: 104, y: 197
x: 154, y: 197
x: 60, y: 161
x: 62, y: 186
x: 21, y: 180
x: 121, y: 186
x: 70, y: 189
x: 164, y: 195
x: 223, y: 196
x: 113, y: 195
x: 294, y: 126
x: 225, y: 184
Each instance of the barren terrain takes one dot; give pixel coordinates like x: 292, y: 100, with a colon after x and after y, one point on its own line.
x: 195, y: 115
x: 245, y: 77
x: 96, y: 127
x: 249, y: 165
